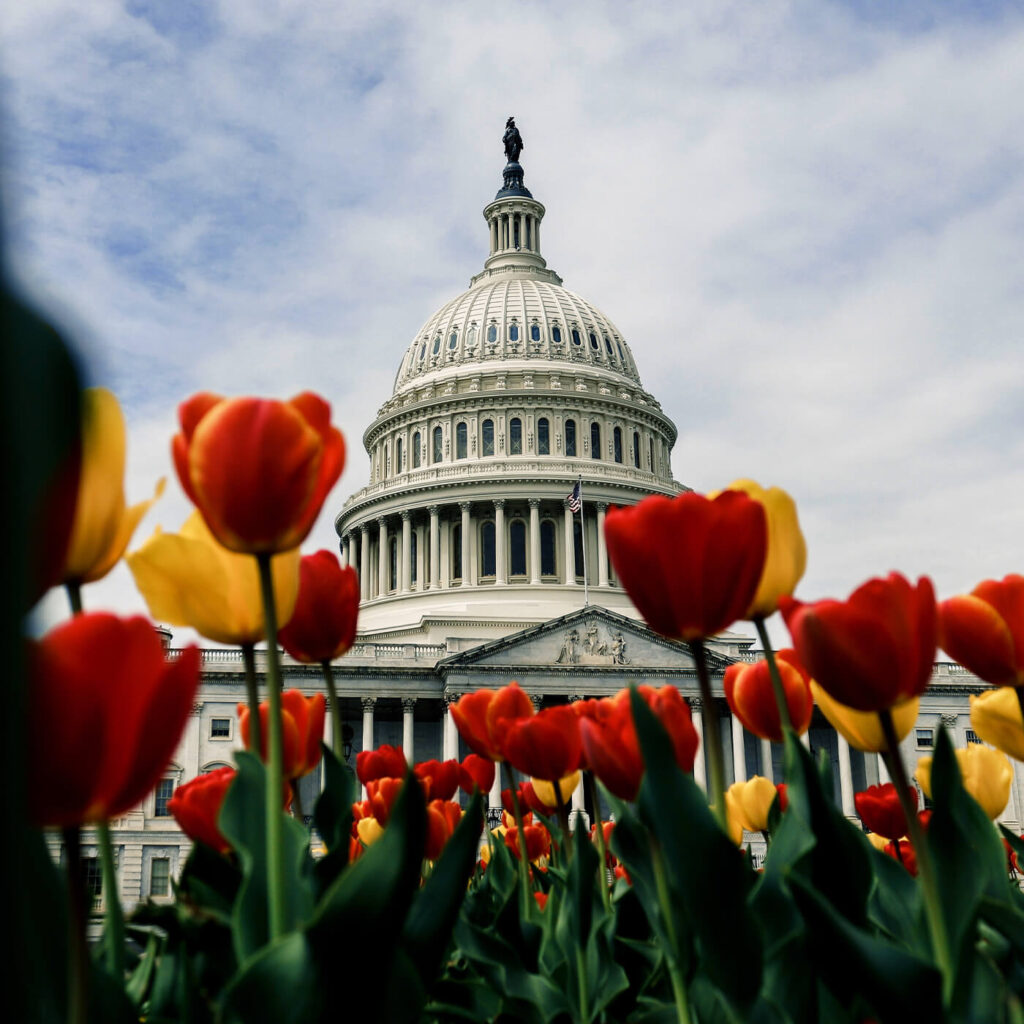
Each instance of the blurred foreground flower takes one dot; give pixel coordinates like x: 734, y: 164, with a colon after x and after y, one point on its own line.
x: 196, y: 807
x: 862, y: 729
x: 302, y: 727
x: 105, y: 714
x: 996, y: 718
x: 984, y: 630
x: 258, y: 469
x: 103, y: 523
x: 323, y: 625
x: 751, y: 697
x: 190, y: 579
x: 987, y: 775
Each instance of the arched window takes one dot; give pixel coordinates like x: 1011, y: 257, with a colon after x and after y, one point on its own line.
x: 515, y: 437
x: 513, y: 332
x: 471, y: 337
x: 622, y: 355
x: 535, y: 332
x: 423, y: 350
x: 453, y: 340
x: 617, y: 443
x: 438, y: 444
x: 577, y: 544
x: 570, y: 437
x: 492, y: 333
x: 607, y: 345
x: 576, y: 339
x: 636, y: 449
x: 398, y: 455
x: 413, y: 546
x: 595, y: 440
x: 387, y: 462
x: 650, y: 454
x: 487, y: 560
x: 547, y: 548
x: 416, y: 450
x: 437, y: 345
x: 487, y: 430
x: 556, y: 334
x: 393, y: 563
x: 460, y: 441
x: 593, y: 341
x: 517, y: 547
x: 457, y: 551
x: 543, y: 437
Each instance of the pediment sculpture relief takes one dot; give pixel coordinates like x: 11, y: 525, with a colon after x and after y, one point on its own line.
x: 591, y: 649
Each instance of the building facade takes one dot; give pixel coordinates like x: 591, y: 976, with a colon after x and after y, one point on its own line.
x: 475, y: 568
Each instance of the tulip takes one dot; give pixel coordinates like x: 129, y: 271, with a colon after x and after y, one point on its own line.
x: 873, y: 651
x: 541, y: 899
x: 258, y: 469
x: 105, y: 713
x: 733, y: 823
x: 996, y: 718
x: 751, y: 696
x: 787, y: 551
x: 984, y: 630
x: 323, y: 625
x: 386, y: 762
x: 439, y: 779
x: 987, y: 775
x: 903, y: 851
x: 476, y: 773
x: 544, y: 790
x: 443, y: 818
x: 862, y: 729
x: 538, y: 841
x: 750, y: 802
x: 483, y: 718
x: 611, y: 744
x: 369, y: 830
x: 546, y: 745
x: 103, y: 524
x: 880, y: 810
x: 302, y: 729
x: 196, y: 807
x: 382, y: 794
x: 690, y: 564
x: 190, y: 579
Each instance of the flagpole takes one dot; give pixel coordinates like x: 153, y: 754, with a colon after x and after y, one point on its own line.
x: 583, y: 545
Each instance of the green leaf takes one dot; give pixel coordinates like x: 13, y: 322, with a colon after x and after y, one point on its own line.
x: 333, y: 818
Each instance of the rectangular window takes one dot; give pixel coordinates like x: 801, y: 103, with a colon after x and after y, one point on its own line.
x: 220, y: 728
x: 972, y: 736
x: 93, y: 880
x: 925, y: 739
x: 160, y: 876
x: 164, y: 790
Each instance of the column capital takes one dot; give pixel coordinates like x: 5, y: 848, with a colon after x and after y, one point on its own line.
x: 434, y: 510
x: 382, y: 521
x: 536, y: 699
x: 465, y: 505
x: 576, y: 697
x: 197, y: 707
x: 948, y: 719
x: 499, y: 502
x: 368, y: 703
x: 696, y: 703
x: 364, y: 529
x: 534, y: 502
x: 452, y: 697
x: 602, y: 506
x: 408, y: 704
x: 406, y: 515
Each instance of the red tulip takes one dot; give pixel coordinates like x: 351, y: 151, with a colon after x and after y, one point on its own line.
x: 440, y: 779
x: 538, y: 841
x: 901, y: 850
x: 196, y: 807
x: 751, y: 696
x: 105, y: 713
x: 690, y: 564
x: 881, y: 812
x: 302, y: 730
x: 783, y: 797
x: 323, y: 625
x: 483, y: 718
x: 386, y: 762
x: 546, y: 745
x: 872, y: 651
x: 476, y: 773
x: 382, y: 794
x: 443, y: 818
x: 984, y: 630
x: 258, y: 469
x: 611, y: 744
x: 541, y: 899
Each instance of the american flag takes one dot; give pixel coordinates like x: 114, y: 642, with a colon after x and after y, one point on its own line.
x: 574, y: 499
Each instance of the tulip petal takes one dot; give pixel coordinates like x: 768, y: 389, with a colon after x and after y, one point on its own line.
x: 996, y: 718
x: 862, y: 729
x: 975, y: 634
x: 119, y: 541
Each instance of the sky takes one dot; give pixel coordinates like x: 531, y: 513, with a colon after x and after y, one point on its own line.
x: 807, y: 220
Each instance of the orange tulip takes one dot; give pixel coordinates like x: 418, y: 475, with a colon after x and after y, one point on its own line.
x: 196, y: 807
x: 302, y: 729
x: 984, y: 630
x: 484, y: 717
x: 751, y: 696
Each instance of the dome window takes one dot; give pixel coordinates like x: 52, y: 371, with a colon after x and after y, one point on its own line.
x: 622, y: 355
x: 399, y: 452
x: 513, y: 332
x: 576, y: 339
x: 423, y: 351
x: 492, y: 333
x: 438, y: 444
x: 593, y: 341
x: 570, y: 437
x: 617, y: 443
x: 412, y: 557
x: 393, y: 564
x: 453, y: 340
x: 636, y: 449
x: 437, y: 345
x: 517, y: 547
x: 471, y: 337
x: 535, y: 332
x: 416, y: 450
x: 608, y: 346
x: 556, y: 334
x: 487, y: 552
x: 515, y: 437
x: 595, y: 440
x: 457, y: 551
x: 547, y: 548
x: 460, y: 441
x: 487, y: 431
x: 543, y: 437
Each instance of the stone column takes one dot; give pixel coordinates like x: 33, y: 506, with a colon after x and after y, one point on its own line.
x: 739, y: 760
x: 500, y: 573
x: 435, y: 548
x: 535, y: 540
x: 468, y: 578
x: 367, y: 703
x: 578, y: 805
x: 766, y: 760
x: 406, y: 552
x: 364, y: 563
x: 449, y: 731
x: 408, y: 727
x: 602, y: 549
x: 383, y: 556
x: 570, y: 549
x: 700, y: 773
x: 846, y: 778
x: 883, y: 772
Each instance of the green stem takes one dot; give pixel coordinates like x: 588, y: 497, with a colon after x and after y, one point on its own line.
x: 525, y: 899
x: 78, y: 947
x: 712, y: 735
x: 925, y: 866
x: 665, y: 902
x: 337, y: 744
x: 113, y: 931
x: 563, y: 820
x: 274, y: 772
x: 776, y: 678
x: 252, y: 694
x: 74, y: 589
x: 602, y: 849
x: 581, y: 983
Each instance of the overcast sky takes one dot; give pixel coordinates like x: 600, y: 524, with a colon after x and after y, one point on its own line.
x: 807, y: 219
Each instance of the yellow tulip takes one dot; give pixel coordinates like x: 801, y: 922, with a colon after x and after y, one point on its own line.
x: 733, y: 816
x: 862, y: 729
x: 369, y: 830
x: 189, y: 579
x: 546, y: 790
x: 996, y: 718
x: 750, y: 802
x: 986, y: 774
x: 787, y: 551
x: 103, y: 524
x: 877, y: 841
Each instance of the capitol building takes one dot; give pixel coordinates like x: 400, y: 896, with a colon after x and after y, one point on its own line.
x: 475, y: 566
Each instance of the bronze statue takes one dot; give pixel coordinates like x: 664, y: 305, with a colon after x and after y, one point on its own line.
x: 513, y: 141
